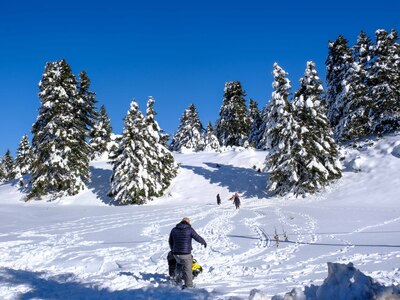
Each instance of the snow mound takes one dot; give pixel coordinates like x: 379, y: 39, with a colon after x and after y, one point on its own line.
x: 344, y: 282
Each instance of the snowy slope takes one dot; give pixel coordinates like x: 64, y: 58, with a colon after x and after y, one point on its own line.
x: 84, y: 247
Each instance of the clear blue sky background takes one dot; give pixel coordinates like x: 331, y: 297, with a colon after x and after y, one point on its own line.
x: 179, y: 52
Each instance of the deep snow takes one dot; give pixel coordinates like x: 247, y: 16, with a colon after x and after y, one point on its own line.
x: 84, y: 247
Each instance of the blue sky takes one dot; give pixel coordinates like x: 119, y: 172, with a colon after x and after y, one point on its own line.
x: 179, y: 52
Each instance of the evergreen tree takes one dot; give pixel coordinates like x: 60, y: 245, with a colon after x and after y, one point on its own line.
x: 262, y: 134
x: 280, y: 129
x: 8, y: 166
x: 100, y: 136
x: 232, y: 127
x: 363, y: 51
x: 24, y: 156
x: 2, y: 172
x: 143, y: 167
x: 190, y: 132
x: 210, y: 140
x: 163, y: 165
x: 316, y: 160
x: 85, y: 113
x: 337, y: 64
x: 86, y: 103
x: 60, y: 163
x: 255, y: 121
x: 385, y: 80
x: 355, y: 121
x: 131, y: 180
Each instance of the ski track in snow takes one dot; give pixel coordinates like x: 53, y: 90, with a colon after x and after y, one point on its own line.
x: 242, y: 254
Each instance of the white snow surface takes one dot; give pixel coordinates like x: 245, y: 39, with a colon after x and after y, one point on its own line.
x: 84, y: 247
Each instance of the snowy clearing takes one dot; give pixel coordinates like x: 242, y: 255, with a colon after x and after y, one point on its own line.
x: 83, y: 247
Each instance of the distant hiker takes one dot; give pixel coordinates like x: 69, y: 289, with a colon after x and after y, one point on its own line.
x: 180, y: 243
x: 259, y: 170
x: 236, y: 200
x: 276, y: 238
x: 218, y: 199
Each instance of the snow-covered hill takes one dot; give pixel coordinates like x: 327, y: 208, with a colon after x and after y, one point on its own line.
x: 84, y: 247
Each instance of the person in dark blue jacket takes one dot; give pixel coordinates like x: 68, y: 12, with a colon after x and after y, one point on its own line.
x: 180, y: 242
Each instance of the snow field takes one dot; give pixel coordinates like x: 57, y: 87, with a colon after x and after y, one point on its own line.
x: 84, y: 247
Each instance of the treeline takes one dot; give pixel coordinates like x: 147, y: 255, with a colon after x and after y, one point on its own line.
x: 299, y: 130
x: 69, y: 131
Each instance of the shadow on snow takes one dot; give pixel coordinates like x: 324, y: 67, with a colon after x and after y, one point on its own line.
x: 100, y: 185
x: 64, y: 287
x: 247, y: 182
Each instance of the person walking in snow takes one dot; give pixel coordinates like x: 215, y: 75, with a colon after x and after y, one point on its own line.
x: 180, y: 243
x: 236, y: 200
x: 218, y: 199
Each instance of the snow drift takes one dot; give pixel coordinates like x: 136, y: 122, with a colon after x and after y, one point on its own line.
x: 344, y: 282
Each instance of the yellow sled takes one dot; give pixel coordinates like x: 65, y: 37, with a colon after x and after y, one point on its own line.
x: 196, y: 268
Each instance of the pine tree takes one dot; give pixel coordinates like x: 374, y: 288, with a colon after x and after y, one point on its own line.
x: 210, y: 140
x: 255, y: 121
x: 337, y: 64
x: 385, y: 80
x: 190, y: 132
x: 232, y: 127
x: 100, y: 136
x: 143, y: 166
x: 86, y: 102
x: 60, y: 165
x: 24, y: 156
x: 280, y: 129
x: 163, y: 165
x: 131, y: 180
x: 355, y: 121
x: 8, y: 166
x: 262, y: 137
x: 316, y: 160
x: 2, y: 172
x: 363, y: 51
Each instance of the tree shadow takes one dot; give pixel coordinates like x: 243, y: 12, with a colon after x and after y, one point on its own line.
x: 100, y: 185
x: 247, y: 182
x: 63, y: 286
x: 158, y: 278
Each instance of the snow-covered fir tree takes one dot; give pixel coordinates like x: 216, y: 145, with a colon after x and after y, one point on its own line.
x: 255, y: 122
x: 85, y: 112
x: 60, y: 163
x: 2, y: 173
x: 280, y: 135
x: 355, y: 120
x: 86, y: 102
x: 363, y: 51
x: 317, y: 161
x: 210, y: 140
x: 100, y: 137
x: 131, y: 180
x: 24, y: 157
x: 232, y: 127
x: 163, y: 166
x: 190, y: 132
x: 143, y: 167
x: 337, y: 64
x: 385, y: 81
x: 8, y: 166
x: 262, y: 136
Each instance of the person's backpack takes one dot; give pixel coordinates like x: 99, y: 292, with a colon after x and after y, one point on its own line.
x: 196, y: 268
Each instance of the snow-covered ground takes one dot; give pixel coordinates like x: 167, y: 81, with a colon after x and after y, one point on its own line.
x: 84, y: 247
